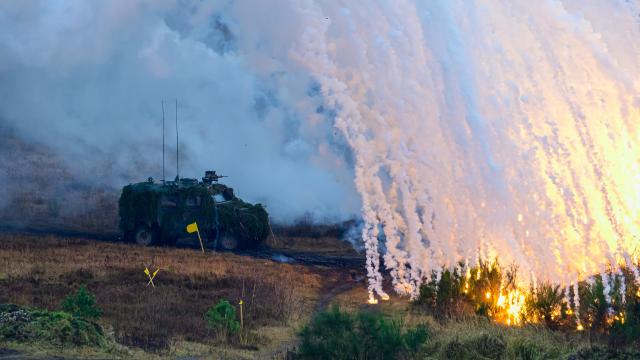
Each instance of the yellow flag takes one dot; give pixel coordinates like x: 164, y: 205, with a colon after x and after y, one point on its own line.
x: 191, y: 228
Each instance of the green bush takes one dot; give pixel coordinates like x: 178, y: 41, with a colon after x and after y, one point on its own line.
x: 334, y: 334
x: 601, y: 353
x: 444, y: 297
x: 82, y: 304
x: 462, y: 291
x: 457, y: 350
x: 488, y: 346
x: 50, y: 328
x: 625, y: 329
x: 547, y: 305
x: 526, y: 349
x: 482, y: 347
x: 221, y: 318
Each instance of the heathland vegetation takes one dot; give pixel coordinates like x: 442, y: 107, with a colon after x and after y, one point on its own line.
x: 83, y: 298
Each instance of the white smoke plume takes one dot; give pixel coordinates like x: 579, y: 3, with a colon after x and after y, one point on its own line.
x: 469, y: 129
x: 486, y: 129
x: 86, y: 79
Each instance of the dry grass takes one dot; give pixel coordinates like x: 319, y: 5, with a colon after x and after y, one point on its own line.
x: 321, y: 245
x: 41, y: 271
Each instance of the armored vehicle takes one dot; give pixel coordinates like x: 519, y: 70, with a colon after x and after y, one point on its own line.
x: 157, y: 213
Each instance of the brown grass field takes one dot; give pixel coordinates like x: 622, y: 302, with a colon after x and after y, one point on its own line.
x: 167, y: 320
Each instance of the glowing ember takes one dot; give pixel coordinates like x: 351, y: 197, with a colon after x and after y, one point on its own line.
x: 487, y: 295
x: 372, y: 300
x: 511, y: 307
x: 580, y: 327
x: 384, y: 297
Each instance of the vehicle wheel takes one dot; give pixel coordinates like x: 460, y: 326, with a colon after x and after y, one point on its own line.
x: 228, y: 242
x: 144, y: 236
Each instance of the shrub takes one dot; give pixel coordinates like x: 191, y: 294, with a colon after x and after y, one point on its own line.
x: 463, y: 290
x: 456, y: 350
x: 599, y: 353
x: 546, y: 304
x: 50, y: 328
x: 445, y: 297
x: 625, y: 329
x: 82, y: 304
x: 593, y: 305
x: 334, y: 334
x: 488, y: 346
x: 525, y: 349
x: 485, y: 346
x: 626, y: 332
x: 221, y: 318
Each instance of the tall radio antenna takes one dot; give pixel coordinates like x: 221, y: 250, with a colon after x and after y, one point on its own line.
x: 177, y: 146
x: 163, y: 181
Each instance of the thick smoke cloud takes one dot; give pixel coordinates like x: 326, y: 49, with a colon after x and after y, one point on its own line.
x: 472, y: 129
x: 485, y: 129
x: 86, y: 80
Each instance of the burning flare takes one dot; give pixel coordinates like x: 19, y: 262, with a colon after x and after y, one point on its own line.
x: 483, y: 129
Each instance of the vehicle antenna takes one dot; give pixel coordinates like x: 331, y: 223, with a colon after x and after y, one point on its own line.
x: 163, y: 181
x: 177, y: 146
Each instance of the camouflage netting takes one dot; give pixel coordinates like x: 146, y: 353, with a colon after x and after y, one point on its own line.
x: 140, y: 204
x: 249, y: 223
x: 137, y: 203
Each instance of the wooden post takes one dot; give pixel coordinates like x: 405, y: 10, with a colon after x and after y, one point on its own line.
x: 199, y: 238
x: 275, y: 241
x: 241, y: 318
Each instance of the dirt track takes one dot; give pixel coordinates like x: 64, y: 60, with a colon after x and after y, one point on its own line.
x: 280, y: 255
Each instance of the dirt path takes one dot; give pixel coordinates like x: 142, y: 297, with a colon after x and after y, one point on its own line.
x: 344, y: 283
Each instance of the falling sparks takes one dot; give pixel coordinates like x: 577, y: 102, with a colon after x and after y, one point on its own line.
x: 559, y: 198
x: 511, y: 306
x: 497, y: 294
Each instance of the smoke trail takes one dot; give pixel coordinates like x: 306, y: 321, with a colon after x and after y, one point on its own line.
x: 485, y: 129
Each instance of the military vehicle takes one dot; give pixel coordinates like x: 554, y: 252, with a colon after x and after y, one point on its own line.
x: 157, y: 213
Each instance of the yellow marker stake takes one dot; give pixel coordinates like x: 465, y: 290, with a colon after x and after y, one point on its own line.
x: 241, y: 319
x: 193, y: 228
x: 151, y: 277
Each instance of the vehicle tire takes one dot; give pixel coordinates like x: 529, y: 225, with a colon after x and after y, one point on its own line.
x: 144, y: 236
x: 228, y: 242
